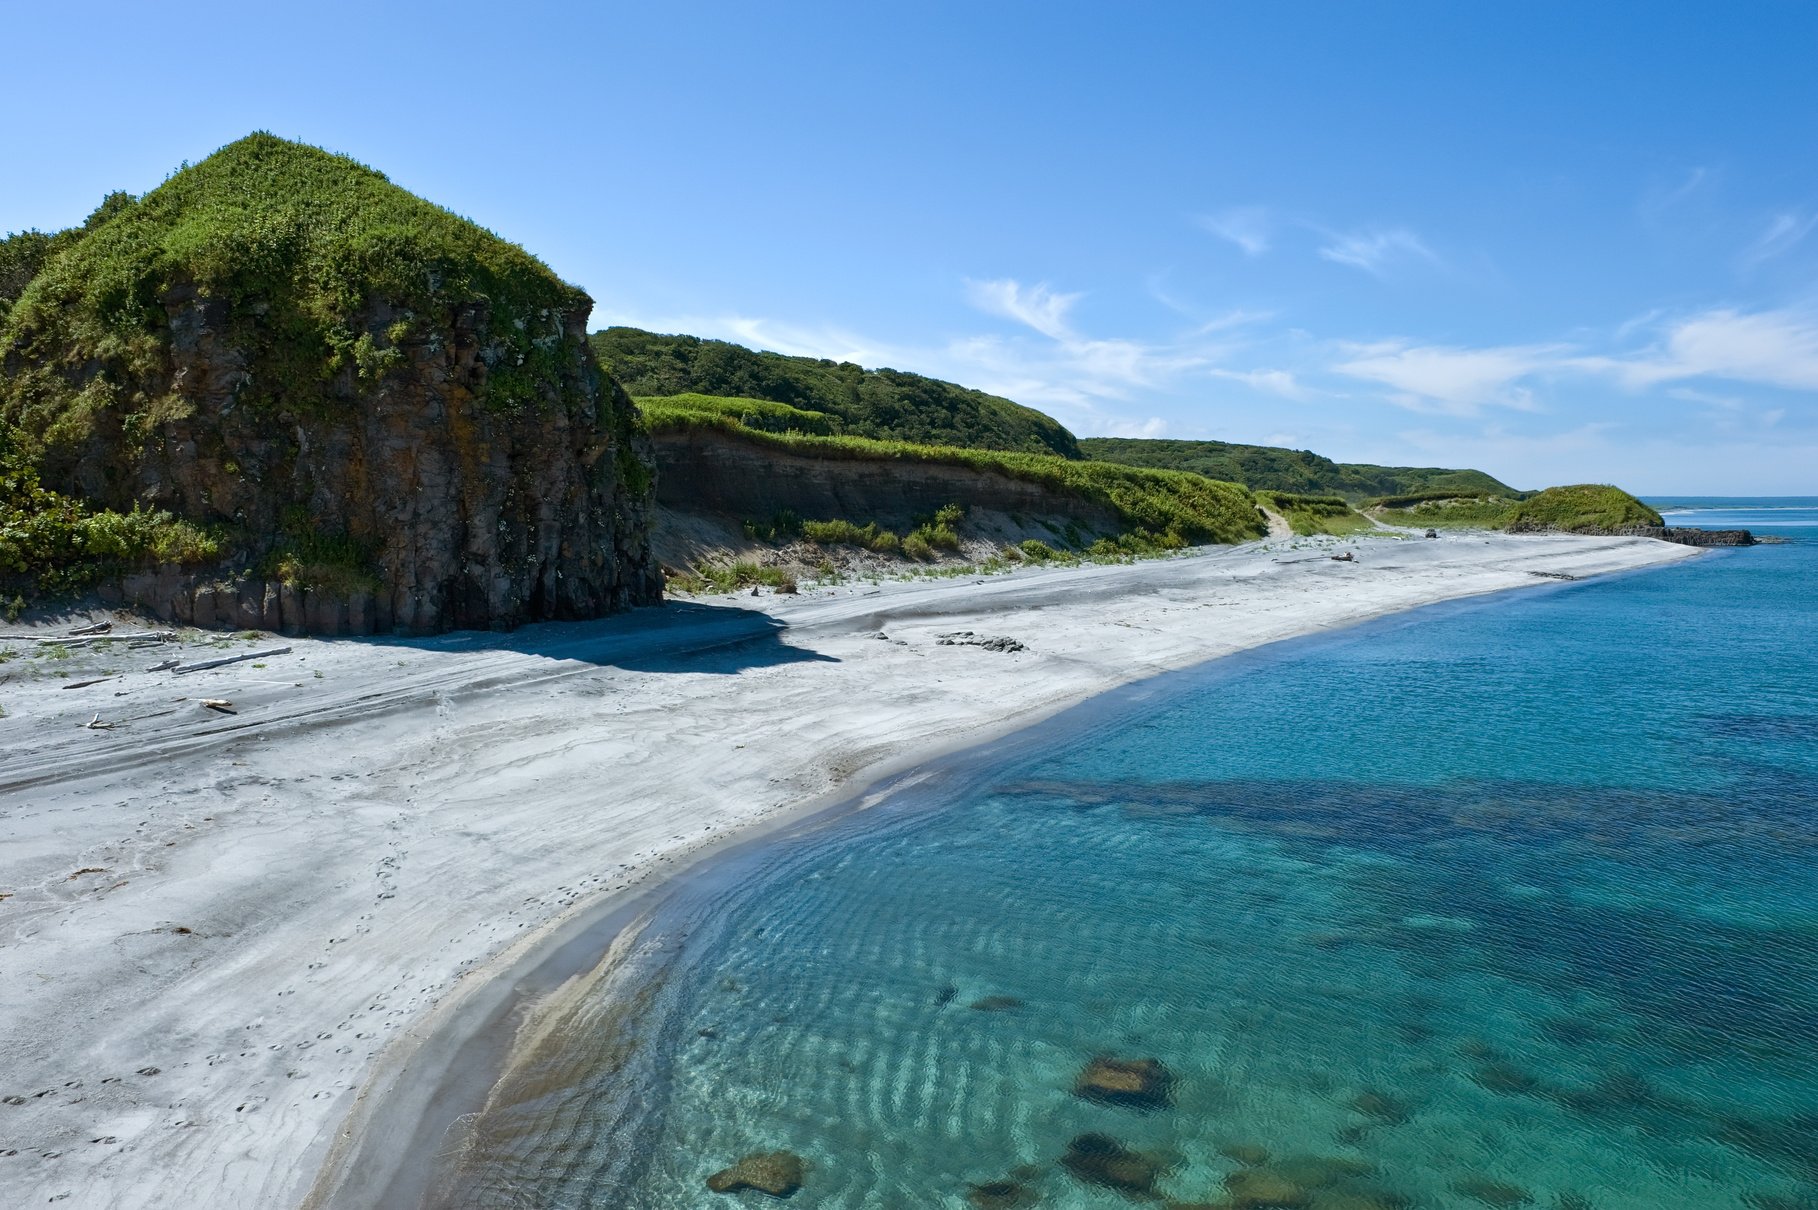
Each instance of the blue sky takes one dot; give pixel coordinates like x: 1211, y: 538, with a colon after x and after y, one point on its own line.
x: 1557, y: 241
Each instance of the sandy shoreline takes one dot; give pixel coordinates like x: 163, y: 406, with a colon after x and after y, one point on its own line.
x: 219, y: 929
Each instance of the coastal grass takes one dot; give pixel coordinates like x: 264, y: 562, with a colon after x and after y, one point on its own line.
x: 53, y: 545
x: 731, y: 577
x: 1577, y: 508
x: 761, y: 415
x: 1172, y: 506
x: 885, y: 404
x: 1273, y: 468
x: 296, y: 243
x: 1307, y: 515
x: 869, y: 536
x: 1580, y: 508
x: 1448, y: 512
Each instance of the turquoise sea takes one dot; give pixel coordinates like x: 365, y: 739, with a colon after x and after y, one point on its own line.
x: 1511, y: 902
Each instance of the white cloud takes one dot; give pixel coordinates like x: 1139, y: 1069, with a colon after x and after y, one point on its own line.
x: 1036, y: 306
x: 1069, y: 370
x: 1373, y: 251
x: 1454, y: 381
x: 1763, y: 348
x: 1771, y: 348
x: 1783, y: 233
x: 1273, y: 382
x: 1249, y: 227
x: 1154, y: 426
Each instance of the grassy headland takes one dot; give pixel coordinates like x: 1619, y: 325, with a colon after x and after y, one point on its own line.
x: 888, y: 405
x: 1580, y: 508
x: 1271, y: 468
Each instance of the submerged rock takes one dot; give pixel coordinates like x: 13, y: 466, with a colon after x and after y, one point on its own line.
x: 778, y: 1173
x: 1321, y: 1171
x: 1247, y: 1154
x: 1505, y: 1079
x: 996, y: 1004
x: 1000, y: 1195
x: 1133, y: 1083
x: 1099, y: 1159
x: 1381, y: 1106
x: 1491, y: 1192
x: 1257, y: 1188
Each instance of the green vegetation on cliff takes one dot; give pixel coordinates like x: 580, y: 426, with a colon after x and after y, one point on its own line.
x: 1581, y: 508
x: 1171, y: 507
x: 279, y: 332
x: 759, y: 414
x: 1271, y: 468
x: 889, y: 405
x: 297, y: 243
x: 1440, y: 511
x: 1315, y: 514
x: 51, y: 544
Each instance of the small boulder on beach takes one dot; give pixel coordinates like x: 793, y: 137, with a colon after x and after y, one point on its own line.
x: 778, y: 1173
x: 1133, y: 1083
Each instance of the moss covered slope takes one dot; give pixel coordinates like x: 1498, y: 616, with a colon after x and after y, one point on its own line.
x: 280, y: 344
x: 1271, y: 468
x: 1581, y: 508
x: 1171, y: 506
x: 889, y: 405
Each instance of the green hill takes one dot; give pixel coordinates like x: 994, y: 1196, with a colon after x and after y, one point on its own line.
x: 330, y: 376
x: 888, y: 405
x: 1272, y: 468
x: 1578, y: 508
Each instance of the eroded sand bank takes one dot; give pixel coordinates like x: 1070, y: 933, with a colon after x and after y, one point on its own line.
x: 219, y: 927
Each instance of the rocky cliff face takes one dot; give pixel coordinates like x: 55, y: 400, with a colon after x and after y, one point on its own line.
x: 707, y: 470
x: 391, y: 417
x: 468, y: 514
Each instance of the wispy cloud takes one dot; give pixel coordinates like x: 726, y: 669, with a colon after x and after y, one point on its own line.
x: 1777, y: 348
x: 1784, y: 232
x: 1772, y: 348
x: 1273, y: 382
x: 1249, y: 227
x: 1375, y: 251
x: 1661, y: 199
x: 1035, y: 306
x: 1455, y: 381
x: 1069, y: 369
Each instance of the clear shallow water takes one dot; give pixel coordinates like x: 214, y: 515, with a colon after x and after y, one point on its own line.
x: 1513, y: 899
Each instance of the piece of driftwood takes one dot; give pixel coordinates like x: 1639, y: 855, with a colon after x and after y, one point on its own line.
x: 86, y: 684
x: 221, y: 704
x: 231, y: 659
x: 148, y: 636
x: 166, y: 666
x: 97, y: 628
x: 95, y: 724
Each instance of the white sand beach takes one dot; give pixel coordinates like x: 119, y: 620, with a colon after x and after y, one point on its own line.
x: 224, y: 935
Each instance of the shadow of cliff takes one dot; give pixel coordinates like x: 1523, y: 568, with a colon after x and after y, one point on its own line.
x: 679, y: 636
